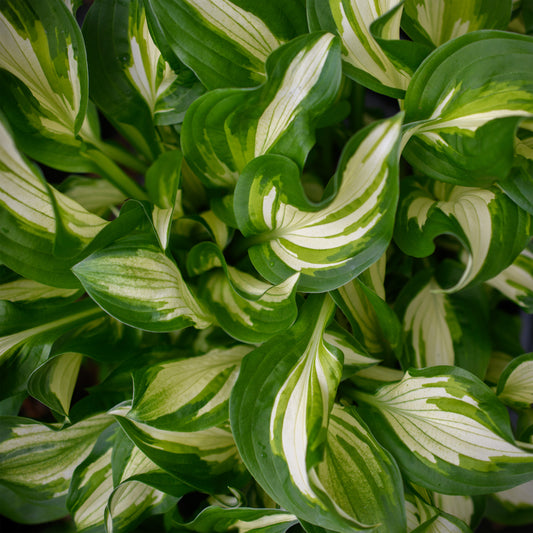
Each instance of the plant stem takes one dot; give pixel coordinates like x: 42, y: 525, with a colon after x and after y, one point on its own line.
x: 121, y: 156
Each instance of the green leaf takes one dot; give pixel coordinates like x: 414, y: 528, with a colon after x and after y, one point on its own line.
x: 135, y: 282
x: 44, y: 82
x: 53, y: 382
x: 225, y: 129
x: 37, y: 221
x: 364, y: 59
x: 226, y: 43
x: 243, y: 519
x: 328, y: 243
x: 187, y: 395
x: 28, y: 290
x: 513, y: 506
x: 492, y: 228
x: 448, y: 432
x: 515, y: 386
x: 464, y: 104
x: 279, y: 411
x: 516, y: 281
x: 38, y: 461
x: 435, y: 22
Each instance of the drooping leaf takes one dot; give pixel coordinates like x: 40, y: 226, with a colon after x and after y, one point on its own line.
x: 226, y: 43
x: 464, y: 104
x: 448, y: 431
x: 492, y: 228
x: 328, y: 243
x: 225, y: 129
x: 279, y: 412
x: 515, y: 386
x: 364, y: 59
x: 37, y: 464
x: 435, y: 22
x: 134, y: 281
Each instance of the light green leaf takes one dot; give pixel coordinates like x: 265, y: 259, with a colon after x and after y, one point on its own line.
x: 328, y: 243
x: 464, y: 104
x: 134, y: 281
x: 492, y: 228
x: 226, y: 43
x: 515, y: 386
x: 187, y: 395
x: 364, y: 59
x: 32, y: 215
x: 38, y: 460
x: 53, y: 382
x: 435, y: 22
x: 516, y: 281
x: 280, y: 413
x: 448, y: 431
x: 28, y: 290
x: 226, y: 129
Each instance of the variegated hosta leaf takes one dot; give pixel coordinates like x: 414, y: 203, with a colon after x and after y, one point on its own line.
x: 226, y: 43
x: 364, y: 59
x: 465, y: 508
x: 448, y: 431
x: 242, y: 520
x: 225, y: 129
x: 162, y: 182
x: 492, y: 228
x: 516, y: 281
x: 246, y: 308
x: 464, y: 104
x: 37, y: 221
x: 27, y: 338
x: 374, y: 323
x: 43, y: 74
x: 442, y: 329
x: 206, y: 460
x: 187, y: 395
x: 436, y: 21
x: 38, y: 461
x: 329, y: 243
x: 513, y: 506
x: 53, y: 382
x: 135, y: 282
x: 279, y: 411
x: 28, y: 290
x: 134, y: 86
x: 355, y: 355
x: 515, y: 386
x: 519, y: 184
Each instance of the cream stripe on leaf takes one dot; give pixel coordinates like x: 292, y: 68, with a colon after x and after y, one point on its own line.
x: 187, y: 395
x: 242, y: 520
x: 491, y: 227
x: 224, y: 43
x: 291, y: 393
x: 515, y: 386
x: 42, y: 221
x: 448, y: 431
x: 135, y: 282
x: 463, y: 106
x: 38, y: 461
x: 206, y: 460
x: 224, y: 130
x: 328, y: 243
x: 516, y: 281
x: 435, y: 22
x: 43, y: 74
x: 246, y: 308
x: 28, y: 290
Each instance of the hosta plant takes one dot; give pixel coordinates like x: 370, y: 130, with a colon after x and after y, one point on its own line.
x: 262, y: 265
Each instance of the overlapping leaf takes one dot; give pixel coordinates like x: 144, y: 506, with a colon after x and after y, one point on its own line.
x: 329, y: 243
x: 225, y: 129
x: 435, y: 22
x: 134, y: 281
x: 448, y: 431
x: 226, y: 42
x: 464, y: 103
x: 515, y: 386
x: 492, y: 228
x: 280, y: 409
